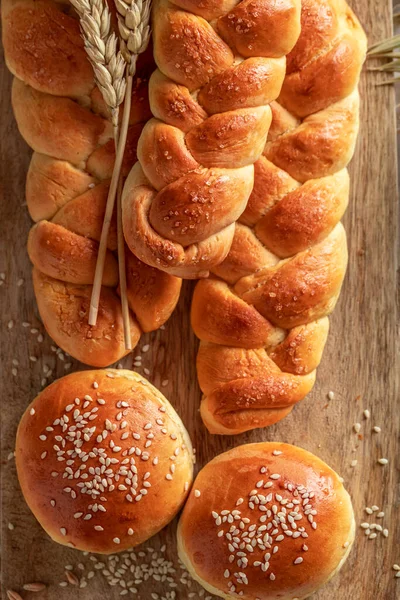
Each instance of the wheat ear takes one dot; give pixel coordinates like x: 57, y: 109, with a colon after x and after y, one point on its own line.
x: 133, y: 21
x: 101, y: 47
x: 109, y: 65
x: 134, y: 29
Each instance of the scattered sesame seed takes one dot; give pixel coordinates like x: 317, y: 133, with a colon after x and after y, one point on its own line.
x: 357, y: 427
x: 11, y: 527
x: 32, y: 411
x: 376, y: 429
x: 298, y: 560
x: 353, y: 463
x: 116, y: 540
x: 63, y: 531
x: 383, y: 461
x: 331, y: 395
x: 197, y: 493
x: 366, y: 414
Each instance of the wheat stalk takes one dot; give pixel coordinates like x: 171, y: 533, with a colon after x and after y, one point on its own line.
x: 134, y: 29
x: 387, y: 49
x: 109, y: 66
x: 133, y: 22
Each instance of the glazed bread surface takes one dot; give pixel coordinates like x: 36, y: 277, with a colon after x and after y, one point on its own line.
x: 262, y: 317
x: 220, y: 64
x: 103, y: 460
x: 267, y: 521
x: 62, y: 116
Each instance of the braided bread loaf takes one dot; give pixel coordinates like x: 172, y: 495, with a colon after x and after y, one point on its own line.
x: 262, y: 319
x: 220, y: 64
x: 62, y: 116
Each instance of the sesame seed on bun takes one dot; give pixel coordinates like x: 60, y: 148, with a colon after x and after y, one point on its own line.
x: 265, y: 521
x: 103, y: 460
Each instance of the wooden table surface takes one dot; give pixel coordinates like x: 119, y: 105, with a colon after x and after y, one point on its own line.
x: 359, y: 366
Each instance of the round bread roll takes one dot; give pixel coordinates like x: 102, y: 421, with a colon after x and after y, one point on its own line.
x: 103, y: 460
x: 266, y: 521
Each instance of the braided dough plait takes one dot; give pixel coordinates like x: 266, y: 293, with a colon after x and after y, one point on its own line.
x: 220, y: 64
x: 62, y: 116
x: 262, y: 317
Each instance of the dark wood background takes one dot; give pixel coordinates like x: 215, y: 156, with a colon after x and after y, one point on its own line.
x: 360, y: 365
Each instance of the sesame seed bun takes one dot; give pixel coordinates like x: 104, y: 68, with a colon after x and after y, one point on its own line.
x: 265, y: 521
x: 103, y: 460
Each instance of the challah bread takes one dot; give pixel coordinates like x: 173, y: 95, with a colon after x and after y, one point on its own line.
x: 262, y: 316
x: 62, y: 116
x: 266, y: 521
x: 103, y: 460
x: 220, y: 64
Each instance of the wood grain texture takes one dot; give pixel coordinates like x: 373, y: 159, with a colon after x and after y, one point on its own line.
x: 360, y: 365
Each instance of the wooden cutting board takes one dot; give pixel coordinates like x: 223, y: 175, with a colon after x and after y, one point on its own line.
x: 360, y: 365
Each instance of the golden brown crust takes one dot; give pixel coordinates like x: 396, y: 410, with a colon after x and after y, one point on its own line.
x: 302, y: 288
x: 238, y: 27
x: 152, y: 294
x: 331, y: 49
x: 84, y: 215
x: 103, y: 460
x: 64, y: 310
x: 51, y: 183
x: 58, y: 127
x: 60, y: 253
x: 322, y: 145
x: 43, y: 47
x: 219, y: 67
x: 63, y: 117
x: 268, y: 521
x: 288, y: 257
x: 167, y: 255
x: 220, y: 316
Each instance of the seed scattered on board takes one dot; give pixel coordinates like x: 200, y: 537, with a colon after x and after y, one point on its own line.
x: 11, y: 595
x: 34, y: 587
